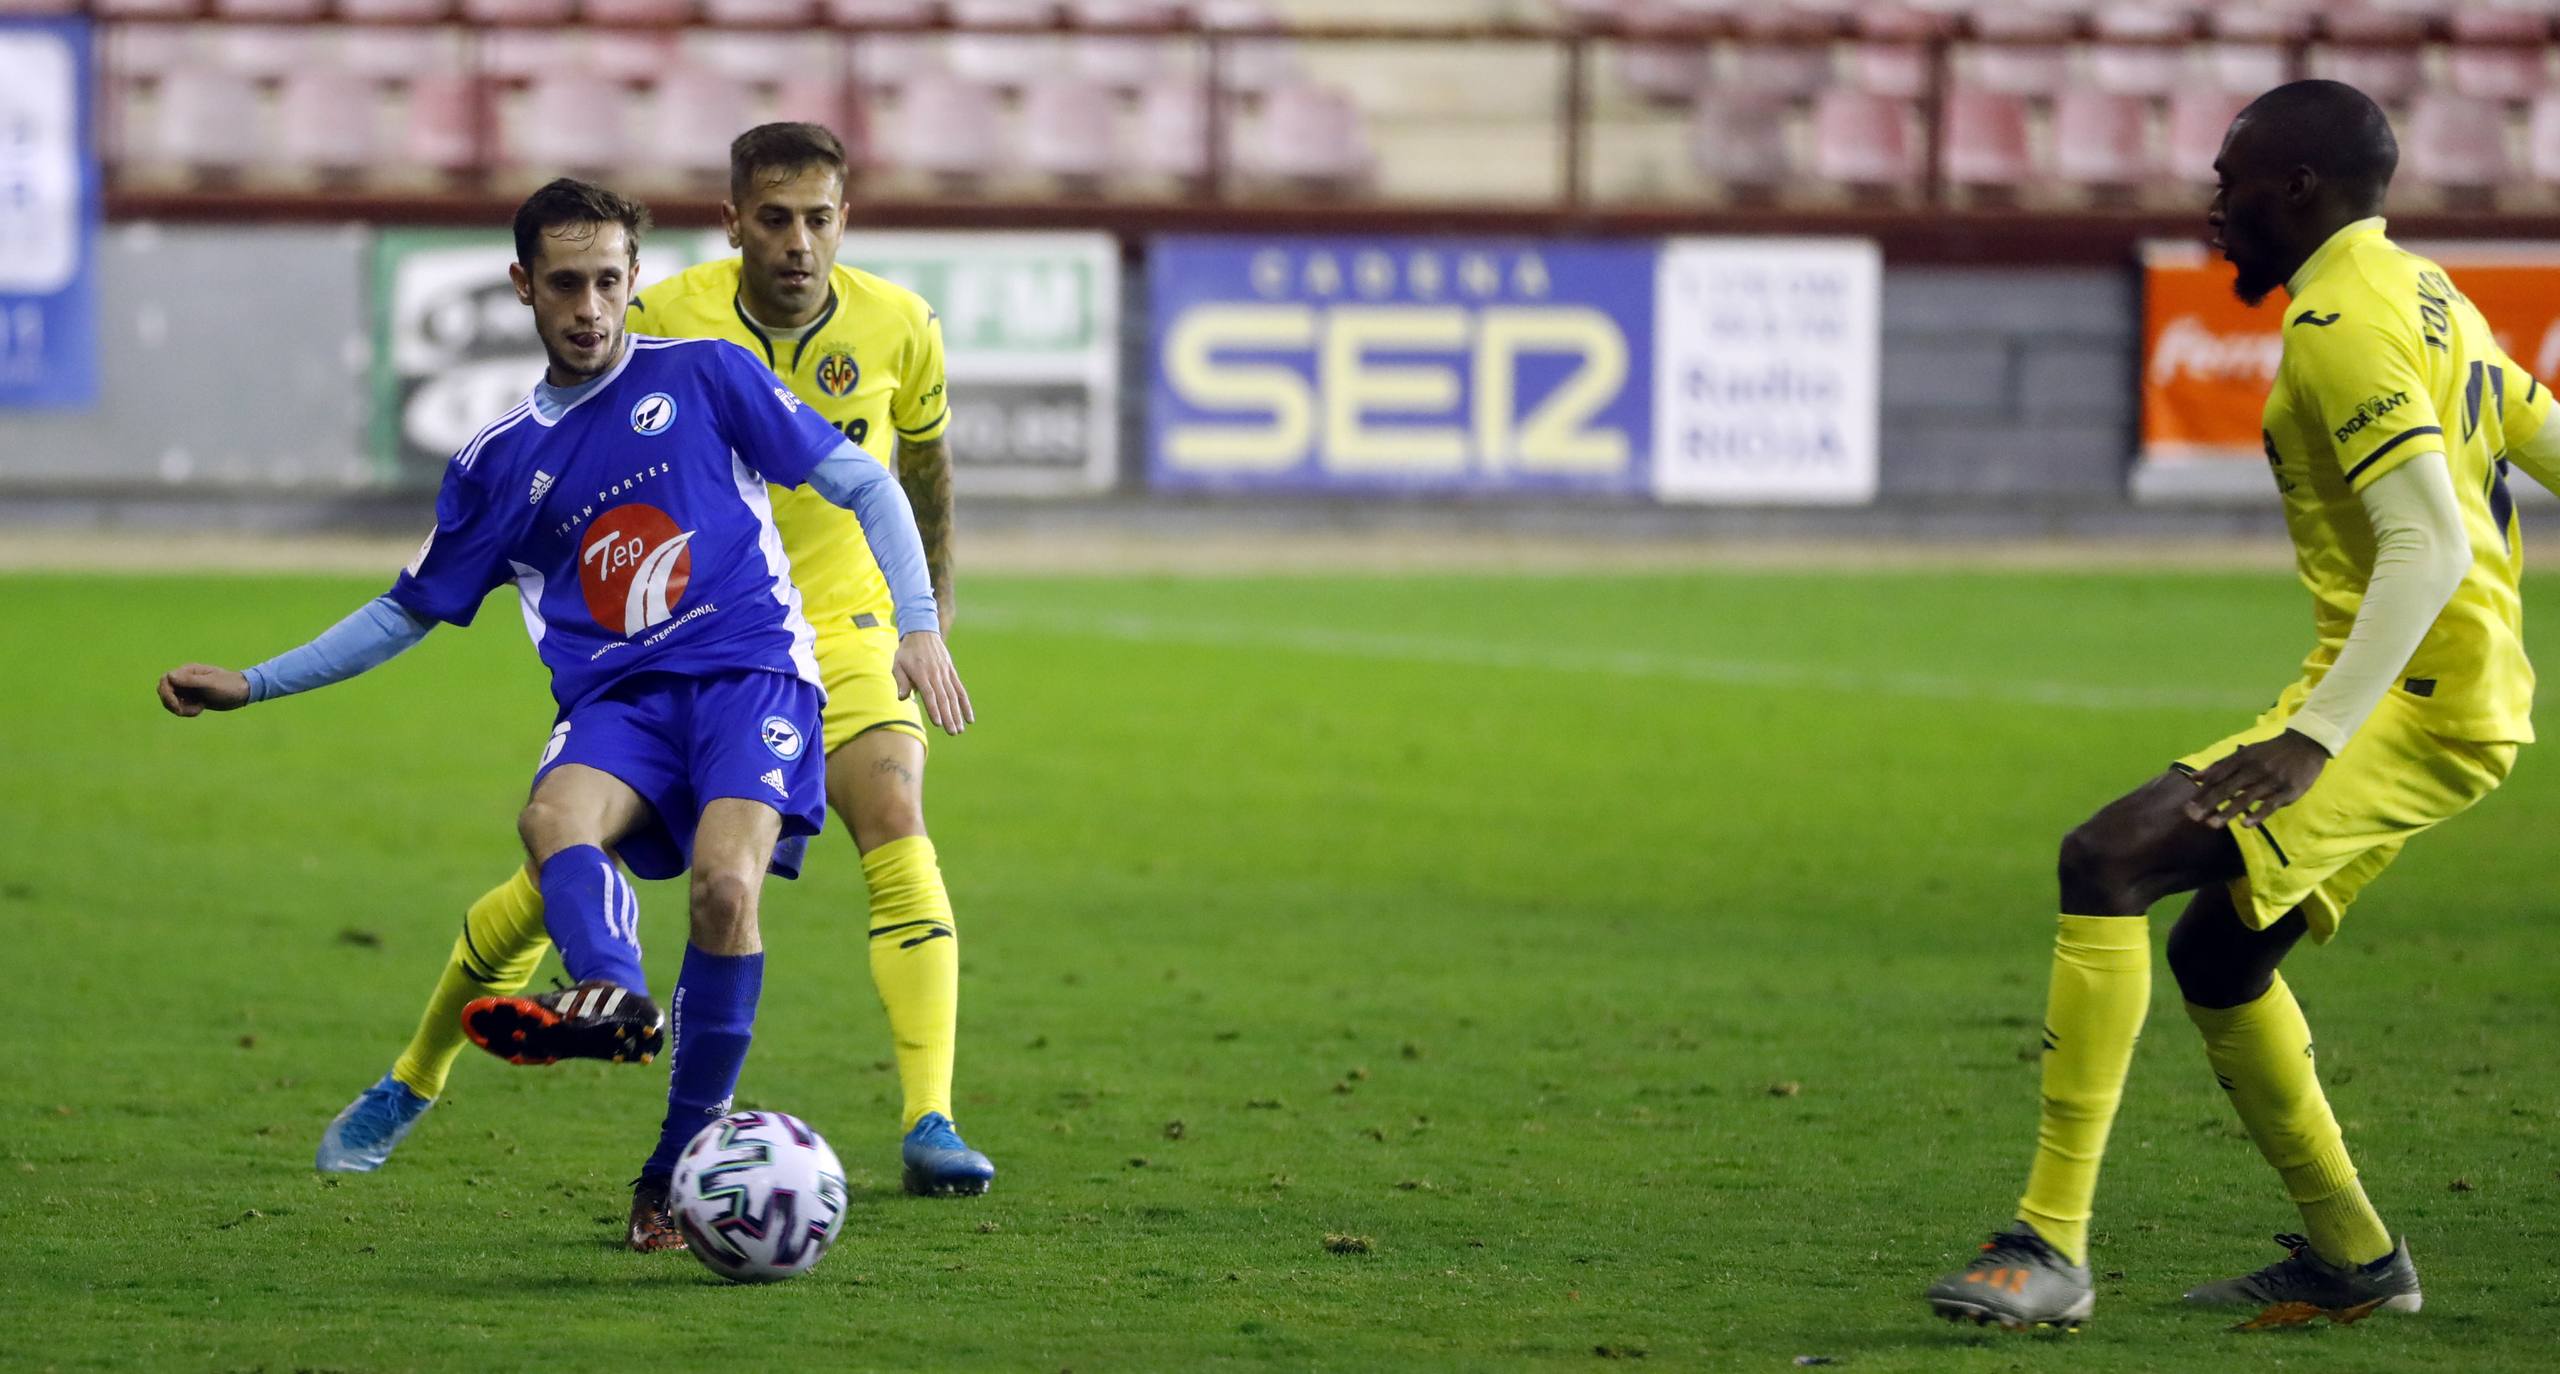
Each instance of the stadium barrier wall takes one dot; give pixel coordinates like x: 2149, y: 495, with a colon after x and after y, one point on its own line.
x: 267, y: 360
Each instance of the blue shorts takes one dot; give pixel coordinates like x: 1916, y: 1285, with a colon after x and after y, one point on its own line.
x: 685, y: 742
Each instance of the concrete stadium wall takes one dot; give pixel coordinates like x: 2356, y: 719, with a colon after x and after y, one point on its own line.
x: 235, y: 360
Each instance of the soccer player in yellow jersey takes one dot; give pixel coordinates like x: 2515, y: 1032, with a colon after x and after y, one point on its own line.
x: 2389, y: 432
x: 866, y: 354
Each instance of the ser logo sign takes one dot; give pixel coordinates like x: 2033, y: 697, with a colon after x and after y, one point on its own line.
x: 1417, y: 365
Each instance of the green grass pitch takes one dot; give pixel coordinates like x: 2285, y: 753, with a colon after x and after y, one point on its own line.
x: 1642, y: 966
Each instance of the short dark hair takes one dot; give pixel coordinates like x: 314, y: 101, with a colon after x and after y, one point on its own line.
x: 569, y: 201
x: 782, y: 151
x: 2333, y: 129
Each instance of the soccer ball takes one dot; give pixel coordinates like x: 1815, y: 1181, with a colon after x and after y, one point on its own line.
x: 758, y: 1196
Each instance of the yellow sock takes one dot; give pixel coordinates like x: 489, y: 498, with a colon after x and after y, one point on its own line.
x: 502, y: 941
x: 2262, y: 1053
x: 915, y: 963
x: 2093, y: 1013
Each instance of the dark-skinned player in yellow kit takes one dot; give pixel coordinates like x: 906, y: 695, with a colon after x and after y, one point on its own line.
x: 866, y: 354
x: 2390, y: 430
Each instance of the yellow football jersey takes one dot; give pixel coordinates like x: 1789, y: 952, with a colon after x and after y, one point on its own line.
x: 2383, y: 361
x: 872, y: 365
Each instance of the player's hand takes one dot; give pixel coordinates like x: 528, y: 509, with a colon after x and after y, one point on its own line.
x: 201, y: 687
x: 923, y: 669
x: 2257, y: 780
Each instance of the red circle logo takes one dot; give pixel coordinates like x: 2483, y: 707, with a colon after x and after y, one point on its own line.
x: 633, y: 565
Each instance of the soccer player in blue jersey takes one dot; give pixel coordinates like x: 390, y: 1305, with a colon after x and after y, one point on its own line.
x: 625, y: 500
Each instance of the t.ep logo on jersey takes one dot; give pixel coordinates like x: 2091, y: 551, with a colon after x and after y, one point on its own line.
x: 656, y: 411
x: 633, y: 566
x: 783, y: 738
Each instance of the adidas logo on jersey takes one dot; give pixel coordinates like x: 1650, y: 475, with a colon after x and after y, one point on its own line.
x: 541, y: 487
x: 773, y: 779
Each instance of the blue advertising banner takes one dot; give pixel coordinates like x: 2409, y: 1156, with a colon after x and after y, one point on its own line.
x: 48, y: 216
x: 1441, y: 366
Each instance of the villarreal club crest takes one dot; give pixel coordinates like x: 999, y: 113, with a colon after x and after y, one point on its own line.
x: 837, y: 373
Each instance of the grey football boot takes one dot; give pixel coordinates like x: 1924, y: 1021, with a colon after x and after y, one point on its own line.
x: 2389, y: 1284
x: 2017, y: 1281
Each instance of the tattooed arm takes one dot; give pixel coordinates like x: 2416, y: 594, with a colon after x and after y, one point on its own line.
x: 924, y: 469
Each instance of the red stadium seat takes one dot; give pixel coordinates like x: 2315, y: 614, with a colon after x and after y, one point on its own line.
x: 2152, y: 68
x: 630, y: 55
x: 2388, y: 74
x: 414, y: 11
x: 861, y: 14
x: 1783, y: 69
x: 141, y: 9
x: 207, y: 120
x: 1253, y: 66
x: 437, y: 131
x: 268, y: 9
x: 1739, y: 139
x: 817, y: 98
x: 635, y: 11
x: 523, y: 54
x: 1173, y: 130
x: 693, y: 114
x: 565, y: 122
x: 2030, y: 61
x: 753, y: 57
x: 1005, y: 61
x: 325, y: 120
x: 1308, y: 134
x: 148, y: 51
x: 2198, y: 118
x: 388, y: 54
x: 888, y: 61
x: 516, y: 11
x: 1070, y: 129
x: 1896, y: 70
x: 2457, y: 143
x: 2102, y: 138
x: 267, y: 51
x: 1864, y: 140
x: 1985, y: 139
x: 2542, y: 138
x: 947, y: 126
x: 2498, y: 54
x: 795, y: 12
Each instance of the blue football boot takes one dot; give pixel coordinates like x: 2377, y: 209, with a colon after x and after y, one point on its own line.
x: 941, y: 1164
x: 360, y: 1138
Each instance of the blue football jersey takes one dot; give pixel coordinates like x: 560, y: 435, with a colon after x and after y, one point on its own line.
x: 634, y: 521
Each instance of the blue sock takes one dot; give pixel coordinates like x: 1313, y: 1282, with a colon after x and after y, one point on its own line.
x: 710, y: 1024
x: 594, y: 917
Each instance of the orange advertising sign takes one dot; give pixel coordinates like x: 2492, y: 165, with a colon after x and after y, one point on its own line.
x: 2207, y: 360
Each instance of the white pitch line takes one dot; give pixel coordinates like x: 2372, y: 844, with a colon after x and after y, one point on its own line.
x: 1628, y: 663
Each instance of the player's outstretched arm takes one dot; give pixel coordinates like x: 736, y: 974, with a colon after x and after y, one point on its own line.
x: 379, y: 631
x: 854, y: 480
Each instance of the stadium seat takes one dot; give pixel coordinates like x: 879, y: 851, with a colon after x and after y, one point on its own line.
x: 265, y: 52
x: 2102, y: 138
x: 564, y: 122
x: 1985, y: 139
x: 635, y: 11
x: 2031, y: 59
x: 1173, y: 131
x: 2497, y: 54
x: 1738, y: 139
x: 2457, y: 143
x: 1899, y: 71
x: 1004, y: 61
x: 888, y: 61
x: 1253, y: 66
x: 817, y: 97
x: 439, y: 125
x: 1782, y: 69
x: 516, y: 11
x: 141, y: 9
x: 390, y: 54
x: 325, y: 120
x: 861, y: 14
x: 524, y: 54
x: 760, y: 58
x: 693, y: 113
x: 1669, y: 72
x: 38, y: 6
x: 1863, y: 140
x: 798, y: 12
x: 207, y: 120
x: 2542, y: 138
x: 2198, y: 118
x: 268, y: 9
x: 949, y: 127
x: 2388, y: 74
x: 145, y: 52
x: 1310, y: 135
x: 2154, y: 67
x: 413, y: 11
x: 1070, y: 129
x: 631, y: 55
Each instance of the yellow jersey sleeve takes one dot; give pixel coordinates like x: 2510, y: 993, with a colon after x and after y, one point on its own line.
x: 2524, y: 404
x: 923, y: 408
x: 2358, y: 371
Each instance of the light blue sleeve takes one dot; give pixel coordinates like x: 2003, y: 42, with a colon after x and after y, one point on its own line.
x: 379, y: 631
x: 856, y: 481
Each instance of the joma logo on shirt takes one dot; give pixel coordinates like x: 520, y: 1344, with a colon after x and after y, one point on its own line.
x: 2369, y: 412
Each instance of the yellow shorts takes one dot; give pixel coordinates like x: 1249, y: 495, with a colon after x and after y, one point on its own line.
x: 2394, y: 780
x: 862, y: 695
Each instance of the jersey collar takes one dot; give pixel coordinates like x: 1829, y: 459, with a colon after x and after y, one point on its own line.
x: 2370, y: 227
x: 810, y: 331
x: 551, y: 402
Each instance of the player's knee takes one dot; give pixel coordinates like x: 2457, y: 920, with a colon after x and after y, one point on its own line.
x: 724, y: 909
x: 545, y: 828
x: 884, y: 816
x: 2095, y: 875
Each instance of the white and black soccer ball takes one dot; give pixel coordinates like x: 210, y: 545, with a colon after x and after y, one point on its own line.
x: 759, y: 1196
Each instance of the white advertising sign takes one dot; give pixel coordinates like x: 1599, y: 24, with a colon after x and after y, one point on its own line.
x: 1765, y: 365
